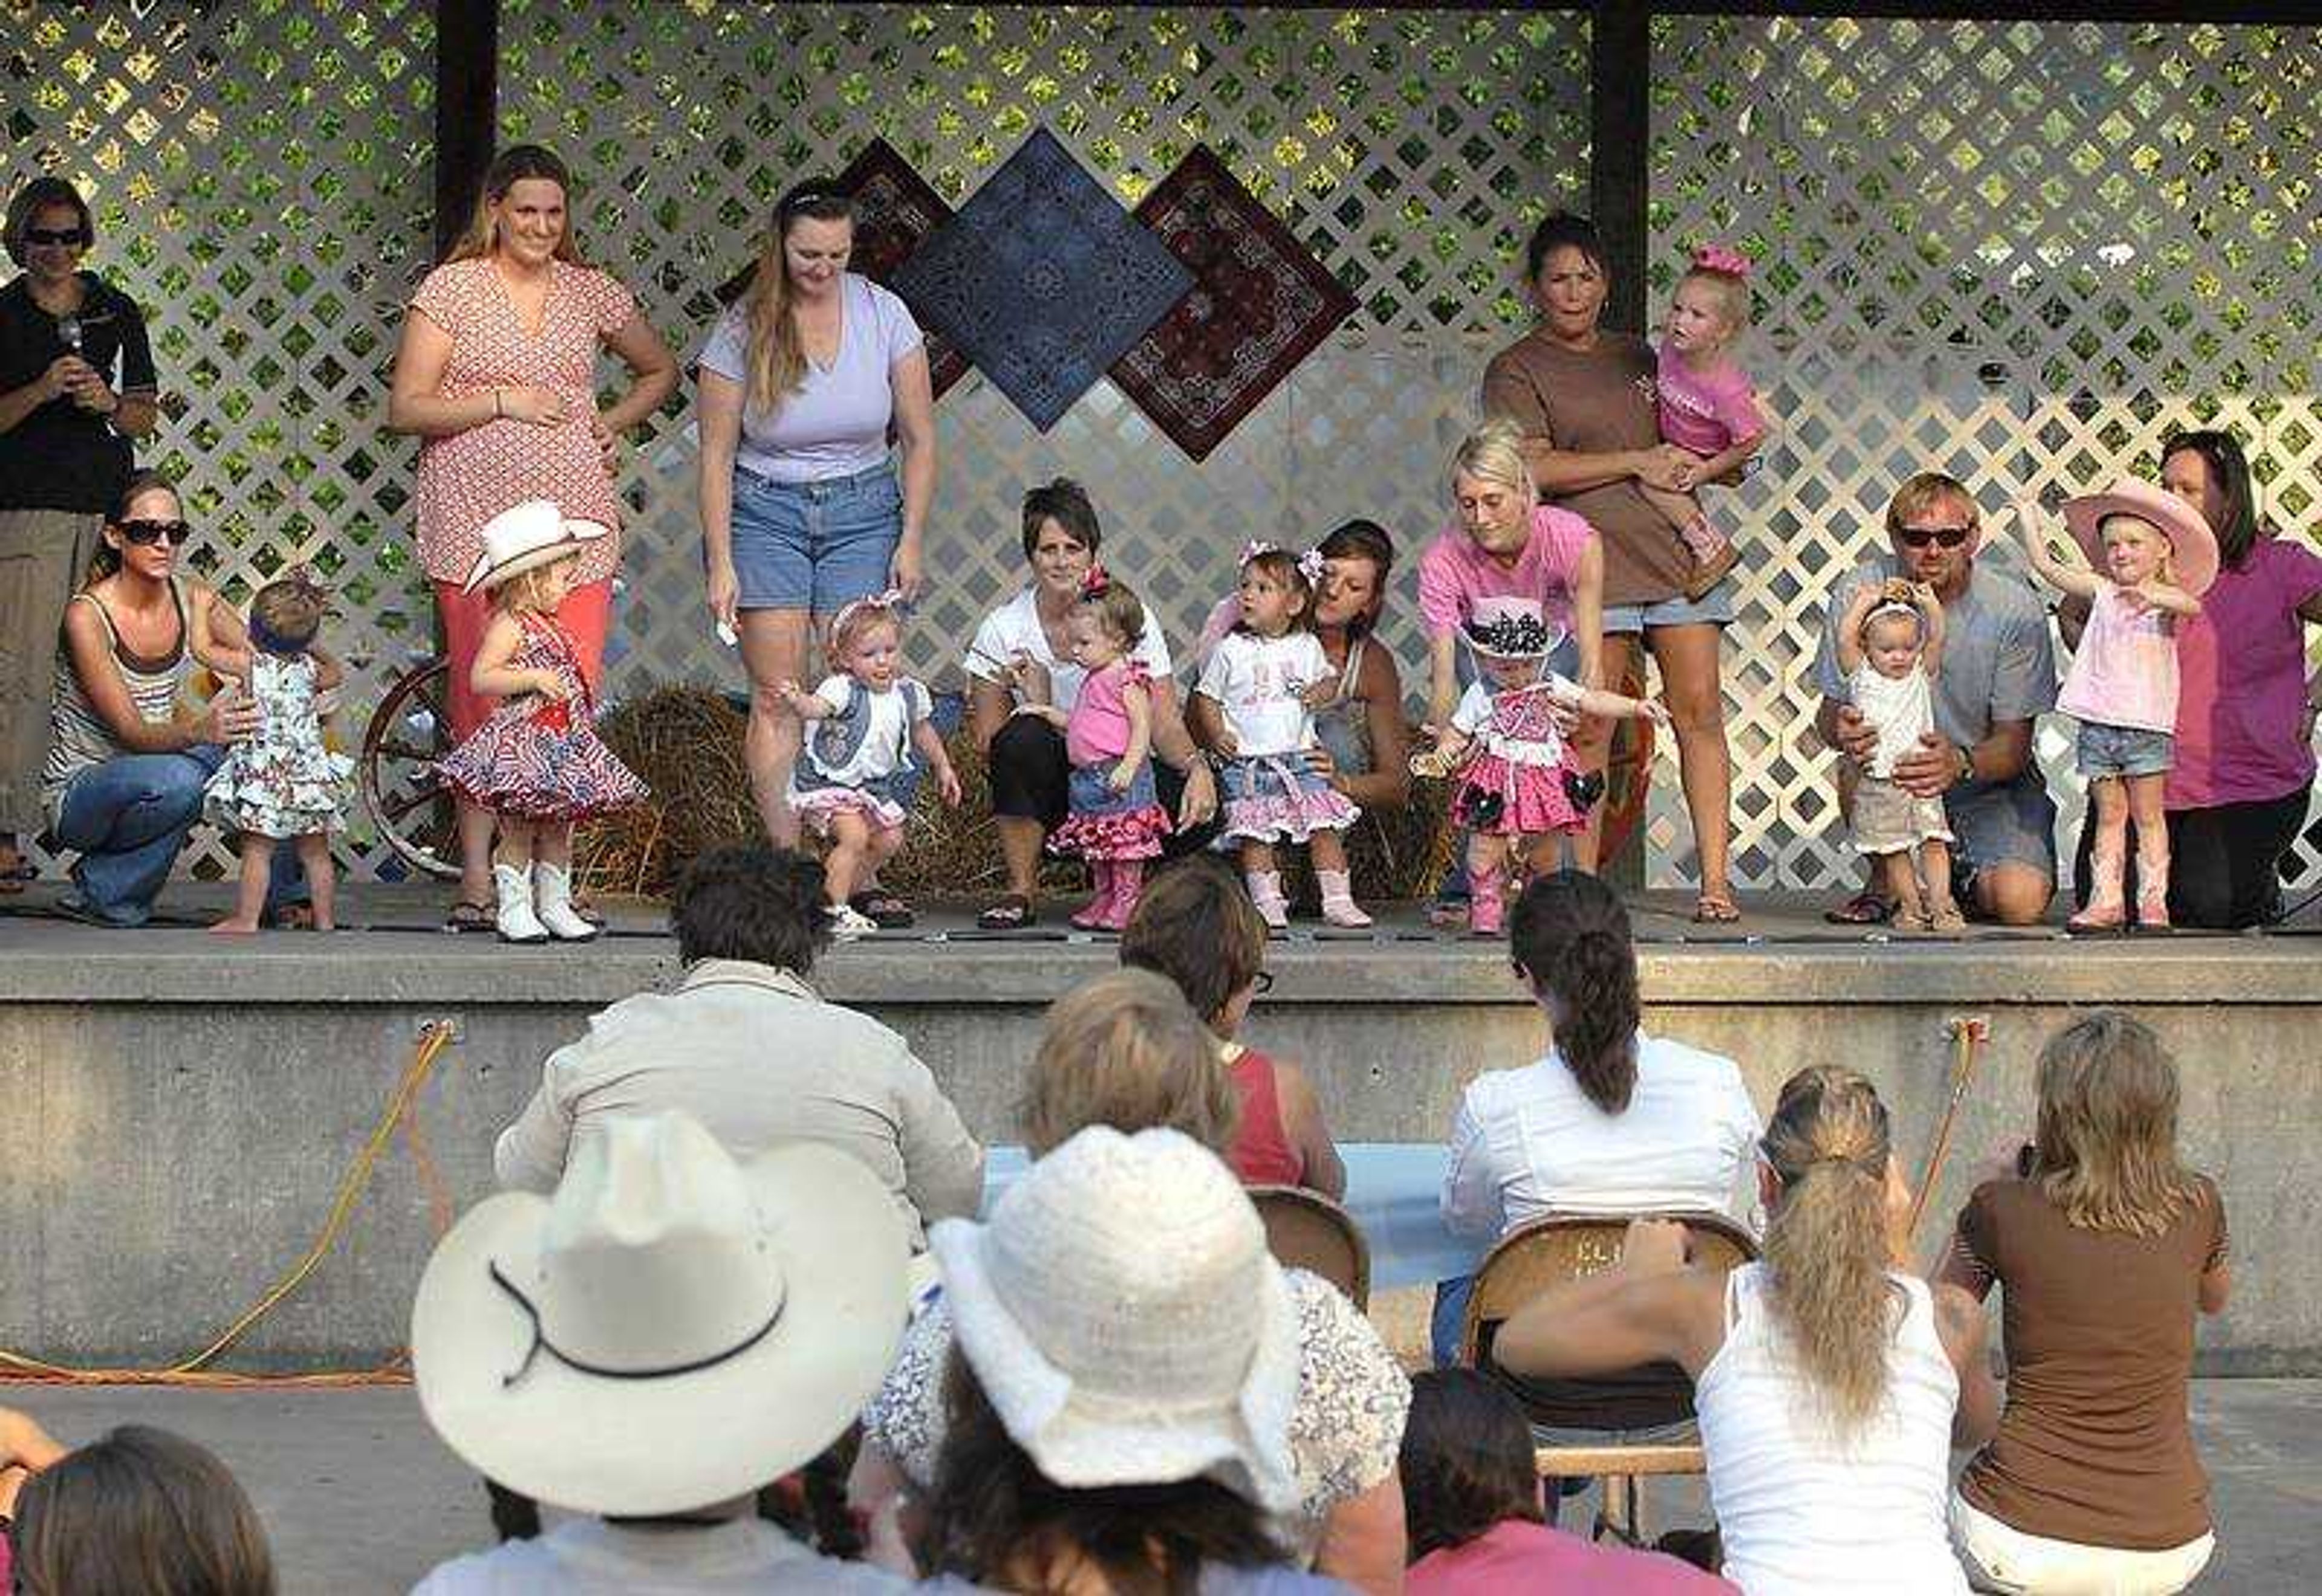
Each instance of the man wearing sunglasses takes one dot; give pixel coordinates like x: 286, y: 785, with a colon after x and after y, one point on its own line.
x: 1998, y: 675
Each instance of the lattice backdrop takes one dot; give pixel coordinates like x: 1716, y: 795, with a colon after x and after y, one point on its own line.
x: 2021, y: 252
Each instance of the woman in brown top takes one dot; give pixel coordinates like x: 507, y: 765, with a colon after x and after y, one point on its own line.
x: 1584, y: 397
x: 2104, y: 1247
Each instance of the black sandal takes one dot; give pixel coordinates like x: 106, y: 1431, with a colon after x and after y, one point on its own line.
x: 883, y: 910
x: 1011, y: 913
x: 467, y: 916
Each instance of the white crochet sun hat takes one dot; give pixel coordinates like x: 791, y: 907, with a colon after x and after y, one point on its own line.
x: 1125, y: 1320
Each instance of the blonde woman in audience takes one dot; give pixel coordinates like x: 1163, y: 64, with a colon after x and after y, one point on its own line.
x: 1124, y: 1050
x: 1830, y: 1383
x: 2105, y: 1249
x: 1120, y: 1385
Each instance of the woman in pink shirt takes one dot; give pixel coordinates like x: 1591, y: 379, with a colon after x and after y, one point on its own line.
x: 1509, y: 555
x: 2244, y: 768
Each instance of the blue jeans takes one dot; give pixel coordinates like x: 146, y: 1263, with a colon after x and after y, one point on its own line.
x: 129, y: 818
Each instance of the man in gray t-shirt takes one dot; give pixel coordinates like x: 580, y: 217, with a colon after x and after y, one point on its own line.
x: 1998, y: 673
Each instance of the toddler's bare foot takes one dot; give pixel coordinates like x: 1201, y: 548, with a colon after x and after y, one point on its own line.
x: 323, y: 923
x: 235, y: 925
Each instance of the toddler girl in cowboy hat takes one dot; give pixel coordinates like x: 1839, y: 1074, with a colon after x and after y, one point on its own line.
x: 537, y: 763
x: 2149, y: 557
x: 1518, y: 784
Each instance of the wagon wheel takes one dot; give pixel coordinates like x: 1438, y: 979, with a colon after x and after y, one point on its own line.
x: 401, y: 791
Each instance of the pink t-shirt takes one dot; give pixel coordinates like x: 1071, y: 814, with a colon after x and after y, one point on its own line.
x: 2125, y: 672
x: 1098, y: 728
x: 2240, y: 666
x: 1515, y: 1557
x: 1706, y: 412
x: 1457, y: 581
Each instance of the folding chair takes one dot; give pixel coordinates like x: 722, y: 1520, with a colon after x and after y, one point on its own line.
x: 1306, y: 1230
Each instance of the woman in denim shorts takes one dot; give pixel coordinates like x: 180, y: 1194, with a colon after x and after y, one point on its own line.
x: 801, y: 382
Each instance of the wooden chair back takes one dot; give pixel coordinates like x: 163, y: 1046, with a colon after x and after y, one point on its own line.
x: 1306, y: 1230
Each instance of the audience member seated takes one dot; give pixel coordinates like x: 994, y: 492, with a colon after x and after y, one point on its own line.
x: 1120, y: 1386
x: 1478, y: 1520
x: 1830, y: 1383
x: 140, y: 1512
x: 2104, y: 1247
x: 1125, y: 1051
x: 747, y: 1048
x: 26, y: 1449
x: 666, y: 1333
x: 1609, y: 1120
x: 1196, y: 926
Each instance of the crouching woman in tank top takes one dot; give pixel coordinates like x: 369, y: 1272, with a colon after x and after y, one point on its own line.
x: 1830, y: 1383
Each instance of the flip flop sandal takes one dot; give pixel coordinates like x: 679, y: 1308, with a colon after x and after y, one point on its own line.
x: 1864, y: 908
x: 882, y: 909
x: 290, y: 916
x: 466, y: 916
x: 1011, y: 913
x: 1714, y: 908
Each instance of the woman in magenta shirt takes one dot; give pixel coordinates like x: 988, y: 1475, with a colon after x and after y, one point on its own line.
x: 2246, y: 706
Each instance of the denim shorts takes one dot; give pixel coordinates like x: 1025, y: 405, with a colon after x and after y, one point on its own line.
x: 1715, y: 608
x: 814, y: 545
x: 2000, y: 823
x: 2123, y: 751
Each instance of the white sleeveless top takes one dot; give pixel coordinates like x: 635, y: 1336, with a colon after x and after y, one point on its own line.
x: 1804, y: 1511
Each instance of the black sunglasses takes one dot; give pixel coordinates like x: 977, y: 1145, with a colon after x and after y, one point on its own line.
x: 1919, y: 537
x: 56, y: 235
x: 142, y: 533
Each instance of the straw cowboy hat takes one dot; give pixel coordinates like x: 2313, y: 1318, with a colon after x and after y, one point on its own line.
x: 525, y: 536
x: 1124, y: 1317
x: 2193, y: 547
x: 671, y: 1329
x: 1511, y: 635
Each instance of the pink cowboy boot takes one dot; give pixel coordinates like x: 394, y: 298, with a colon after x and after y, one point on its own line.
x: 2153, y: 889
x: 2105, y: 910
x: 1128, y: 887
x: 1266, y: 893
x: 1097, y: 913
x: 1488, y: 902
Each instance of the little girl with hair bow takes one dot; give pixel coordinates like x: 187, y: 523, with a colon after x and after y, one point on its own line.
x: 1706, y: 403
x: 1256, y: 700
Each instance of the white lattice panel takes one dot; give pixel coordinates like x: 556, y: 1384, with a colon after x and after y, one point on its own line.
x: 1410, y: 150
x: 259, y: 174
x: 2019, y: 253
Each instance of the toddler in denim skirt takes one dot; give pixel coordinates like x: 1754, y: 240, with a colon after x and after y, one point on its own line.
x: 2142, y: 557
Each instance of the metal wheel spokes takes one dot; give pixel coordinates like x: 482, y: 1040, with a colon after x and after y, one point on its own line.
x: 402, y: 793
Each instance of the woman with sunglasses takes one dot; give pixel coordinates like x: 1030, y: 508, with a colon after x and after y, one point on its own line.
x: 1998, y: 675
x: 127, y: 757
x: 76, y: 385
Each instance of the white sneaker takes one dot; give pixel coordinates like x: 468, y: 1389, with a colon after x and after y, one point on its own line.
x: 552, y: 895
x: 847, y: 923
x: 512, y: 885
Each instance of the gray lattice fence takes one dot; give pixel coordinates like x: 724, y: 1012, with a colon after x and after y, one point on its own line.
x: 2021, y: 253
x: 259, y: 173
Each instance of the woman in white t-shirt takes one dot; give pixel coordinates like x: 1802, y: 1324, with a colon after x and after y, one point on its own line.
x: 1019, y: 657
x: 803, y: 383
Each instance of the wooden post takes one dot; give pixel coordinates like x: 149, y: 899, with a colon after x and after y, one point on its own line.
x: 1620, y: 147
x: 467, y: 108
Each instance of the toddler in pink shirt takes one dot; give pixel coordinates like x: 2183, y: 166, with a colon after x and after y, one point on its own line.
x: 2153, y: 556
x: 1708, y: 405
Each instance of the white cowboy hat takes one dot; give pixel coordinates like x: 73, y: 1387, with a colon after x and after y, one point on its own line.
x: 672, y: 1329
x: 525, y: 536
x: 1125, y: 1320
x: 2192, y: 545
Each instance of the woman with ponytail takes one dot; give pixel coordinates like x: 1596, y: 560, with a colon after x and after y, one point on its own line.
x: 1830, y: 1383
x: 1610, y: 1119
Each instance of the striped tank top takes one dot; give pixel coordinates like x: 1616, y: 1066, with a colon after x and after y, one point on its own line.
x: 79, y: 738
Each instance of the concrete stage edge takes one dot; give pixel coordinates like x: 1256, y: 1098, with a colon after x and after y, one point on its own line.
x: 179, y: 1114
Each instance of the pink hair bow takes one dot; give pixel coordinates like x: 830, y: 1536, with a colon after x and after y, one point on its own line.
x: 1252, y: 548
x: 1723, y: 258
x: 1096, y: 581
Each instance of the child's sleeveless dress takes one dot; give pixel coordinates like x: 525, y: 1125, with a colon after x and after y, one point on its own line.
x: 859, y: 761
x: 1514, y: 785
x: 543, y: 761
x: 1269, y: 793
x: 1104, y: 824
x: 282, y: 781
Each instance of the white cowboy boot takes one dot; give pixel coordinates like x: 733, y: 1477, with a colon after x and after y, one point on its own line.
x: 552, y: 892
x: 517, y: 922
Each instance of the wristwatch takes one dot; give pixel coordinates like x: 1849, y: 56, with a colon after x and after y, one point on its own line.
x: 1966, y: 766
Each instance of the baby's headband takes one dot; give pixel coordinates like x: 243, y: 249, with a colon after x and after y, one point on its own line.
x: 1096, y: 581
x: 1723, y: 258
x: 891, y: 601
x: 1892, y: 607
x: 1309, y: 563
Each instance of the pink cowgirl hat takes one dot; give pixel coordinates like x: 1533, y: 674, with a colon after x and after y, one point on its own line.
x: 2192, y: 546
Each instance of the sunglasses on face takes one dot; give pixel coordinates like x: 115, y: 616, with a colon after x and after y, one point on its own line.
x: 142, y: 533
x: 1919, y: 537
x: 67, y: 236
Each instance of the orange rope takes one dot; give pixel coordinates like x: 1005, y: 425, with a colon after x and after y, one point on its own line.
x: 402, y: 1110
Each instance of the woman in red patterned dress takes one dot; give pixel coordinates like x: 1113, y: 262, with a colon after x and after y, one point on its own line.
x: 497, y: 376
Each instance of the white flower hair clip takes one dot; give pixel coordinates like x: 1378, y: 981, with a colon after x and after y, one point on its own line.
x: 1311, y: 567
